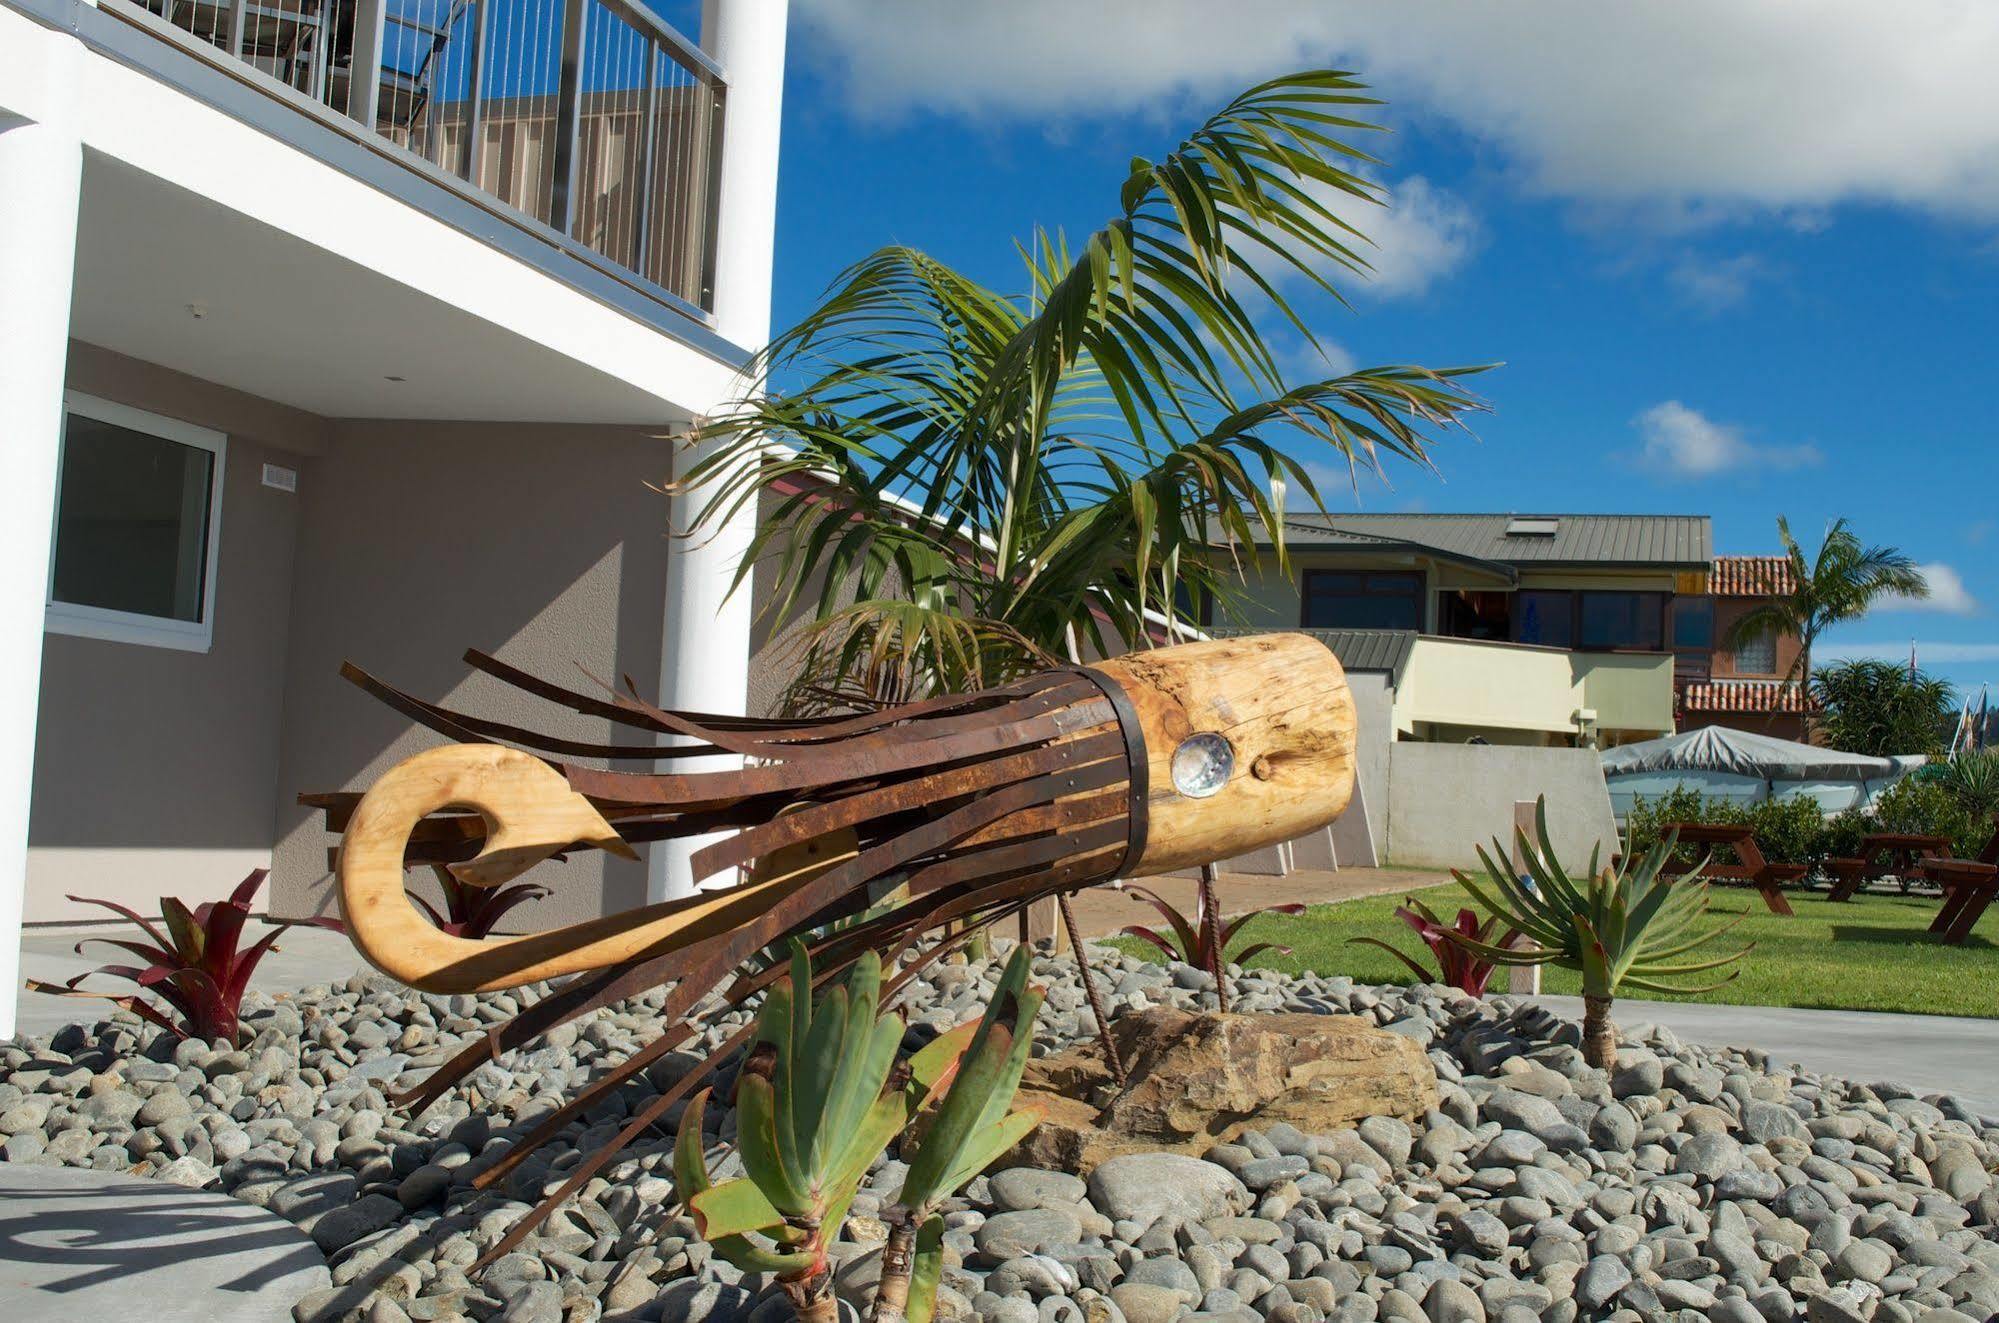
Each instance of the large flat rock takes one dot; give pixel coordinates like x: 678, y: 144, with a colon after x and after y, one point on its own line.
x: 92, y: 1245
x: 1199, y: 1080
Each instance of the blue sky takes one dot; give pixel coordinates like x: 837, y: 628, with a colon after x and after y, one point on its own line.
x: 1737, y: 260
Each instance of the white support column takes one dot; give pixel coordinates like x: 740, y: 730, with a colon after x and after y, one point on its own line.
x: 704, y: 658
x: 41, y: 167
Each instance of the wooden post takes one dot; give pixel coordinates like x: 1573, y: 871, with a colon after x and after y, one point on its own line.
x: 1523, y: 980
x: 1037, y: 922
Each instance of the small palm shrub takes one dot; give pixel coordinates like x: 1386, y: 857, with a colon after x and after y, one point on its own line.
x: 1619, y: 928
x: 819, y: 1098
x: 195, y: 972
x: 1458, y: 966
x: 1972, y: 778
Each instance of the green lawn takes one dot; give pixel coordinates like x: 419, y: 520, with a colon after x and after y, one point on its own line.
x: 1871, y: 953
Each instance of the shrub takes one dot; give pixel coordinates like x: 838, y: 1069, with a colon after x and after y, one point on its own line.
x: 1789, y: 831
x: 1920, y: 806
x: 195, y: 968
x: 1458, y: 966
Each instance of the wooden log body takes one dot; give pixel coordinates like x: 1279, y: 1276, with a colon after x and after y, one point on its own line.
x: 1281, y: 702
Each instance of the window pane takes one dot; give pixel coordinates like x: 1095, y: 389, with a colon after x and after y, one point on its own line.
x: 1757, y: 656
x: 132, y: 523
x: 1352, y: 601
x: 1546, y: 618
x: 1621, y: 620
x: 1693, y: 623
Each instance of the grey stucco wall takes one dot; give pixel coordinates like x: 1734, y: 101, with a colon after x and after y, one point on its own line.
x: 1445, y: 800
x: 1360, y: 835
x: 541, y: 544
x: 156, y: 770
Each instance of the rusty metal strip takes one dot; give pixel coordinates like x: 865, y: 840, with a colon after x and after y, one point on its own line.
x: 932, y: 788
x: 602, y: 1158
x: 1112, y: 1058
x: 774, y: 728
x: 479, y: 730
x: 719, y: 788
x: 993, y: 864
x: 1134, y: 743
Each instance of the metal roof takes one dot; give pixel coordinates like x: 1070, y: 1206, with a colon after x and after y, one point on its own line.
x: 1357, y: 649
x: 1676, y: 541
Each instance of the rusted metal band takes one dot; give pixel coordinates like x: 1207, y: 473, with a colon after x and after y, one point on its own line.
x: 1134, y: 753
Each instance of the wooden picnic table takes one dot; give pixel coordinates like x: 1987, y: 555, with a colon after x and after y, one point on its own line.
x: 1884, y: 854
x: 1750, y: 866
x: 1969, y: 885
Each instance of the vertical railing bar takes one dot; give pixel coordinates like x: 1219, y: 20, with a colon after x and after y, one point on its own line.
x: 647, y: 156
x: 364, y: 74
x: 475, y: 92
x: 239, y: 15
x: 711, y: 204
x: 568, y: 118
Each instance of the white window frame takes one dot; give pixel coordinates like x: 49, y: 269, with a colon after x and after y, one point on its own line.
x: 96, y: 622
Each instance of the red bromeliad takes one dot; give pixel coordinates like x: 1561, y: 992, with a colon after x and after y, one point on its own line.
x: 195, y: 967
x: 1457, y: 965
x: 1203, y: 941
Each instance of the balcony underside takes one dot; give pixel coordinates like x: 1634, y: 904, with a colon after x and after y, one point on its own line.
x: 173, y: 278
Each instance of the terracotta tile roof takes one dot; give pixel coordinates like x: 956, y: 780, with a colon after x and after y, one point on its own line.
x: 1744, y: 696
x: 1751, y: 576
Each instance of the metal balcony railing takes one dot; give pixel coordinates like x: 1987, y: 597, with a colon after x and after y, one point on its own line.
x: 593, y: 118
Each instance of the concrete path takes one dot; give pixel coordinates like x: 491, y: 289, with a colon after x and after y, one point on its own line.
x: 1929, y: 1053
x: 92, y: 1245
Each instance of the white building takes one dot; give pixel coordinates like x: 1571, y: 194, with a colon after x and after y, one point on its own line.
x: 348, y: 329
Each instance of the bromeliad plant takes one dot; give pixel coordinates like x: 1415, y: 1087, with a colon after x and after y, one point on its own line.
x: 474, y: 912
x: 1626, y: 927
x: 1458, y: 966
x: 196, y: 968
x: 819, y: 1098
x: 1203, y: 940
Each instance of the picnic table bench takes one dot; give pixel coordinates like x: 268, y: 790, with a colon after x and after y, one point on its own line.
x: 1969, y: 885
x: 1750, y: 866
x: 1883, y: 854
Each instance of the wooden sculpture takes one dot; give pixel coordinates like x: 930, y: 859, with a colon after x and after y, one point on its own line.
x: 867, y: 832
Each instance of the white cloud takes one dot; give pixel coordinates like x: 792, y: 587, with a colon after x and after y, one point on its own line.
x: 1711, y: 284
x: 1686, y: 442
x: 1947, y: 594
x: 1423, y: 234
x: 1696, y: 105
x: 1926, y: 653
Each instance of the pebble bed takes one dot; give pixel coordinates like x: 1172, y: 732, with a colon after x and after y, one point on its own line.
x: 1689, y: 1184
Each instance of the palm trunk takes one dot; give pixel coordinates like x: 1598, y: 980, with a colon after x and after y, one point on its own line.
x: 1599, y: 1034
x: 898, y: 1258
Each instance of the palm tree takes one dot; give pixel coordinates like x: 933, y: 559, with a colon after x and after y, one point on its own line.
x: 1836, y: 585
x: 970, y: 484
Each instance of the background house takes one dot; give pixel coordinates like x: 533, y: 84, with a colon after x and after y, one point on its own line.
x: 1757, y: 686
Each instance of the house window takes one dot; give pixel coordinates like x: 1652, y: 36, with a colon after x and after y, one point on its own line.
x: 1757, y: 656
x: 138, y: 510
x: 1546, y: 618
x: 1341, y: 599
x: 1621, y: 620
x: 1693, y: 624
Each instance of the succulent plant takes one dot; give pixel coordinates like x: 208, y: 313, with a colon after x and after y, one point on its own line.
x: 819, y: 1098
x: 1457, y: 966
x: 1626, y: 927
